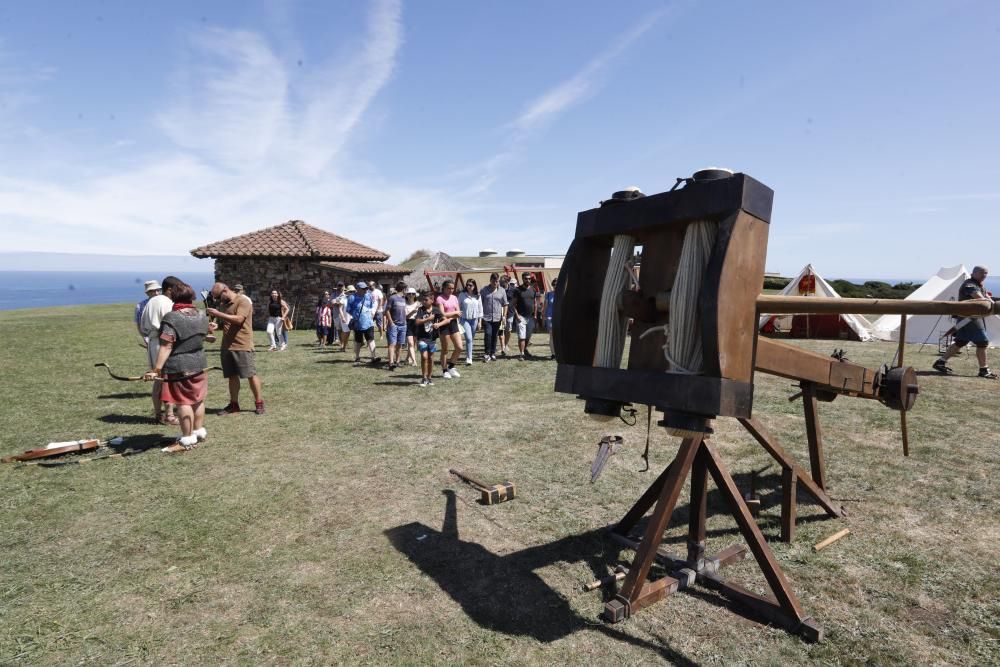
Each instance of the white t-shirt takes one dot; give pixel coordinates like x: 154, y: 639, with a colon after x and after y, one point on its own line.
x: 152, y: 315
x: 379, y: 297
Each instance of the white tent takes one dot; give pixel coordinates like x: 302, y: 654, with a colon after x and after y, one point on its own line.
x: 810, y: 283
x: 943, y: 286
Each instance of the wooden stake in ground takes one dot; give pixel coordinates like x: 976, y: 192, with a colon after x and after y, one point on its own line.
x: 830, y: 540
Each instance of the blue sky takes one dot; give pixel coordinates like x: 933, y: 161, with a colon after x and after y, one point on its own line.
x: 151, y: 128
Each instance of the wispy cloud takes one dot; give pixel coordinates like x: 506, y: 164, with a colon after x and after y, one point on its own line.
x: 17, y: 83
x: 256, y: 140
x: 586, y: 81
x: 559, y: 99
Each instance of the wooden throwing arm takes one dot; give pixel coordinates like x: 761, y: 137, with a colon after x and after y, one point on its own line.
x: 821, y: 378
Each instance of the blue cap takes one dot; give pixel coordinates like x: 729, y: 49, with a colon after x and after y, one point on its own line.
x: 361, y: 285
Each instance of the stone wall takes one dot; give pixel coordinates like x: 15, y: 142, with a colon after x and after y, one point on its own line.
x: 301, y: 283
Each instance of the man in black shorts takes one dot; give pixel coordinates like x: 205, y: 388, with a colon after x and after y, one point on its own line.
x: 970, y: 329
x: 361, y: 306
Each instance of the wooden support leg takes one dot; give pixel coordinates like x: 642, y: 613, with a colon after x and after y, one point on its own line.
x: 635, y: 593
x: 642, y: 505
x: 698, y: 511
x: 788, y: 508
x: 786, y: 611
x: 770, y: 444
x: 814, y: 434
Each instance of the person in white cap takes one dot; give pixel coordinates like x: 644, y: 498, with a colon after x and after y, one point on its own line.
x: 149, y: 327
x: 152, y: 288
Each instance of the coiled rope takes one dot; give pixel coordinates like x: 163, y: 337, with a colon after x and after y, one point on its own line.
x: 612, y: 323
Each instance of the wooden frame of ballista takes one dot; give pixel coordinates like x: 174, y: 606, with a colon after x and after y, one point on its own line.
x: 727, y: 307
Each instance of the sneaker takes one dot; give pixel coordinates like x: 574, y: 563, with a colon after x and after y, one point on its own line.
x: 989, y: 375
x: 200, y: 433
x: 392, y: 367
x: 284, y: 347
x: 941, y: 367
x: 357, y: 361
x: 259, y: 409
x: 422, y: 383
x: 486, y: 358
x: 271, y: 349
x: 229, y: 409
x: 446, y: 375
x: 468, y: 362
x: 430, y: 382
x: 520, y: 357
x: 454, y: 372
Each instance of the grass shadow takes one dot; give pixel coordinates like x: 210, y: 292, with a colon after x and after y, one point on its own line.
x: 503, y: 593
x: 126, y: 394
x: 126, y: 419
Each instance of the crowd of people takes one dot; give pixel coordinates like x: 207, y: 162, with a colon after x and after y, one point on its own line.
x: 419, y: 329
x: 416, y: 326
x: 427, y: 323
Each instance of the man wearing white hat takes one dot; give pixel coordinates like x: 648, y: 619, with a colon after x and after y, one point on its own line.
x: 149, y: 326
x: 151, y: 288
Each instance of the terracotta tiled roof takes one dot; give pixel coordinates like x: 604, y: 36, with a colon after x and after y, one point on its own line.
x: 366, y: 267
x: 291, y: 239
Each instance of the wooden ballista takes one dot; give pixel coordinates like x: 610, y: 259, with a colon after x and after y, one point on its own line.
x: 693, y: 353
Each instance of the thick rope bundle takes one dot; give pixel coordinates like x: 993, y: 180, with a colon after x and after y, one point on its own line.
x: 612, y: 323
x: 684, y: 348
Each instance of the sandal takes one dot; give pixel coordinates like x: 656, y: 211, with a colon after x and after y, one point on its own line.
x: 167, y: 419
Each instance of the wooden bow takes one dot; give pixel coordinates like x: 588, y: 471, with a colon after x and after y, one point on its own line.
x: 137, y: 378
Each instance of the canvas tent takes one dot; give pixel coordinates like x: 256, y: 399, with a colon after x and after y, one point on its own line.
x: 810, y: 283
x: 943, y: 286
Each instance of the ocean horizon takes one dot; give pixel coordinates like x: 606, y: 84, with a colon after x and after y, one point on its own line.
x: 46, y: 289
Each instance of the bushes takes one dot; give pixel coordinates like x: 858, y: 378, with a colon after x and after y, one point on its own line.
x: 874, y: 289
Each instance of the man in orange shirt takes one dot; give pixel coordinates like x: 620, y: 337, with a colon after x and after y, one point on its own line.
x: 237, y: 345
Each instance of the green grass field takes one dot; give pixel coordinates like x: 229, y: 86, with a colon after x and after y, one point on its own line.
x: 329, y: 530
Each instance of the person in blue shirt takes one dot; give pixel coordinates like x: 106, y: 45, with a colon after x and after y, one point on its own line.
x: 550, y: 303
x: 362, y: 305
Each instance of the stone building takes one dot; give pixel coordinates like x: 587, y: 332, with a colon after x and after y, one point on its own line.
x: 300, y: 261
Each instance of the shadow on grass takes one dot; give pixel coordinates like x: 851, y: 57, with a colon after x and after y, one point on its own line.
x: 126, y: 394
x: 768, y: 491
x: 130, y: 446
x: 397, y: 383
x: 126, y: 419
x: 503, y: 593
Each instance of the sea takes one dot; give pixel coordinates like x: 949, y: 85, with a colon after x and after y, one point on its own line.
x: 44, y: 289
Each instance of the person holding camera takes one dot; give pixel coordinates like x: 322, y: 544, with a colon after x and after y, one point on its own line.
x: 236, y: 349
